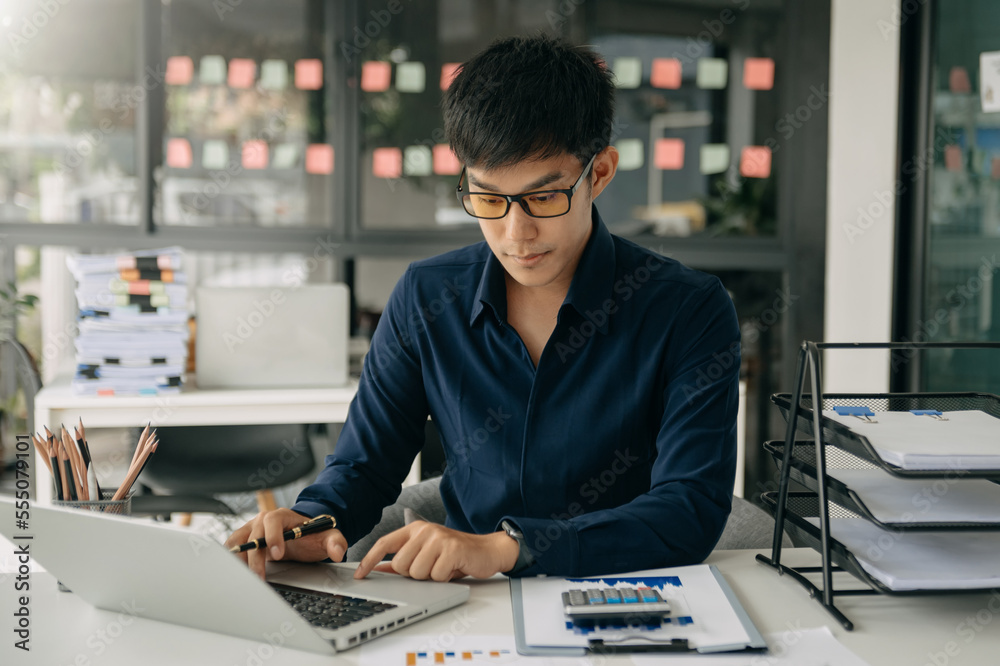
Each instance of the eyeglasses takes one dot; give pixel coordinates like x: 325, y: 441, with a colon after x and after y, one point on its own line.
x: 546, y: 203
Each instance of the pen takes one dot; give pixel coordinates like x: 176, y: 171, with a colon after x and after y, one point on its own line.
x: 317, y: 524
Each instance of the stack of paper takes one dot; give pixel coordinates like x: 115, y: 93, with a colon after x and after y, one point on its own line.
x: 133, y: 323
x: 957, y: 440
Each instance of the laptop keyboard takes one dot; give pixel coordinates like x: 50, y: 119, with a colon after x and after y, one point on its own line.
x: 329, y: 611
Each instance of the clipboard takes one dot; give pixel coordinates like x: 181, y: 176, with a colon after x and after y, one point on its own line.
x: 711, y: 582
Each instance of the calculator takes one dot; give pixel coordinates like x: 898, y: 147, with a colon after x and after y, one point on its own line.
x: 619, y: 605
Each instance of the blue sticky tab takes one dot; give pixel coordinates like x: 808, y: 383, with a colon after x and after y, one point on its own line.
x: 925, y: 412
x: 853, y: 411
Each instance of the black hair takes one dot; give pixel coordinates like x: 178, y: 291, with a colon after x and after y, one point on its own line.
x: 529, y: 98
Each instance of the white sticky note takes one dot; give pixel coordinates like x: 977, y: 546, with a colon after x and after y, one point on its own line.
x: 989, y: 81
x: 630, y: 154
x: 274, y: 75
x: 628, y: 72
x: 713, y: 73
x: 417, y: 161
x: 215, y: 154
x: 285, y: 156
x: 714, y: 158
x: 212, y: 70
x: 411, y: 77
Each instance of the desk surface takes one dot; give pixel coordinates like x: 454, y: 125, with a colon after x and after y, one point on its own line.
x: 952, y: 630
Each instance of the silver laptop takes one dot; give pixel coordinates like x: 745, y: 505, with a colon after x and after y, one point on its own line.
x: 272, y: 337
x: 182, y: 577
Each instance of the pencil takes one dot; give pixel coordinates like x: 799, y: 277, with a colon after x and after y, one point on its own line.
x: 76, y: 461
x: 42, y: 450
x: 69, y: 491
x: 134, y: 469
x: 93, y: 487
x: 138, y: 447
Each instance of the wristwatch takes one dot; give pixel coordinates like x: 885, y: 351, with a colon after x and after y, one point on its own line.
x: 524, y: 557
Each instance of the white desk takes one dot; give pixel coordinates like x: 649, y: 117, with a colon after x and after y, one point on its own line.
x: 896, y: 631
x: 57, y: 403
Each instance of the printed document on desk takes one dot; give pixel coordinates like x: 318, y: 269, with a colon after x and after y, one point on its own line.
x: 704, y: 611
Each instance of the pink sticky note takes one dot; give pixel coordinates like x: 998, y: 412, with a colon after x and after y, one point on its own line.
x: 375, y: 76
x: 449, y: 71
x: 242, y: 72
x: 755, y: 162
x: 669, y: 154
x: 255, y: 154
x: 179, y: 154
x: 958, y: 80
x: 758, y: 73
x: 309, y: 74
x: 666, y: 73
x: 180, y: 70
x: 995, y: 168
x: 319, y: 158
x: 953, y: 158
x: 445, y: 162
x: 387, y: 163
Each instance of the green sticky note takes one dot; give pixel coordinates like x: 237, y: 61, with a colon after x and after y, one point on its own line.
x: 417, y: 161
x: 713, y: 73
x: 215, y: 154
x: 285, y: 156
x: 410, y: 77
x: 628, y: 72
x: 274, y: 75
x: 714, y: 158
x: 630, y: 154
x: 212, y: 70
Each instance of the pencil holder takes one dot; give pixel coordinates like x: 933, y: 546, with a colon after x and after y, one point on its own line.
x: 122, y: 507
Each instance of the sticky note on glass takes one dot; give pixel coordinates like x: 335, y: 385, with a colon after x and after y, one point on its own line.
x: 628, y: 72
x: 953, y: 158
x: 319, y: 158
x: 387, y: 163
x: 212, y: 70
x: 242, y: 72
x: 995, y: 168
x: 445, y: 161
x: 714, y: 158
x: 215, y: 154
x: 255, y: 154
x: 669, y: 154
x: 180, y: 71
x: 417, y: 161
x: 630, y: 154
x: 666, y: 73
x: 712, y: 73
x: 411, y: 77
x: 958, y: 80
x: 179, y: 154
x: 755, y: 162
x: 285, y: 156
x: 309, y: 74
x: 758, y: 73
x: 449, y: 71
x: 375, y: 76
x: 274, y: 75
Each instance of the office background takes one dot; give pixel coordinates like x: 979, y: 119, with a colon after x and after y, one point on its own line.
x: 762, y: 141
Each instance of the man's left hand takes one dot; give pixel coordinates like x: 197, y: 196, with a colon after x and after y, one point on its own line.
x: 431, y: 551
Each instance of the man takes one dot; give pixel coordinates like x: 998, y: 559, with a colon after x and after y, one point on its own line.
x: 585, y: 388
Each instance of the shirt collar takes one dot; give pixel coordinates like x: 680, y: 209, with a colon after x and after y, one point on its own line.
x: 591, y: 286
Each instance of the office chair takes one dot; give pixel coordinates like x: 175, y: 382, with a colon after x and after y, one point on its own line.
x: 193, y: 463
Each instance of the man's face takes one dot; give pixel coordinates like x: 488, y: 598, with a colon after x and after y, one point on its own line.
x: 539, y: 252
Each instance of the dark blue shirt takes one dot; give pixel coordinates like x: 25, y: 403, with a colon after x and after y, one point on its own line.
x: 616, y: 453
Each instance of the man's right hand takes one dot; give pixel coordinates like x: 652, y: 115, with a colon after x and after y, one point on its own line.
x: 271, y: 525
